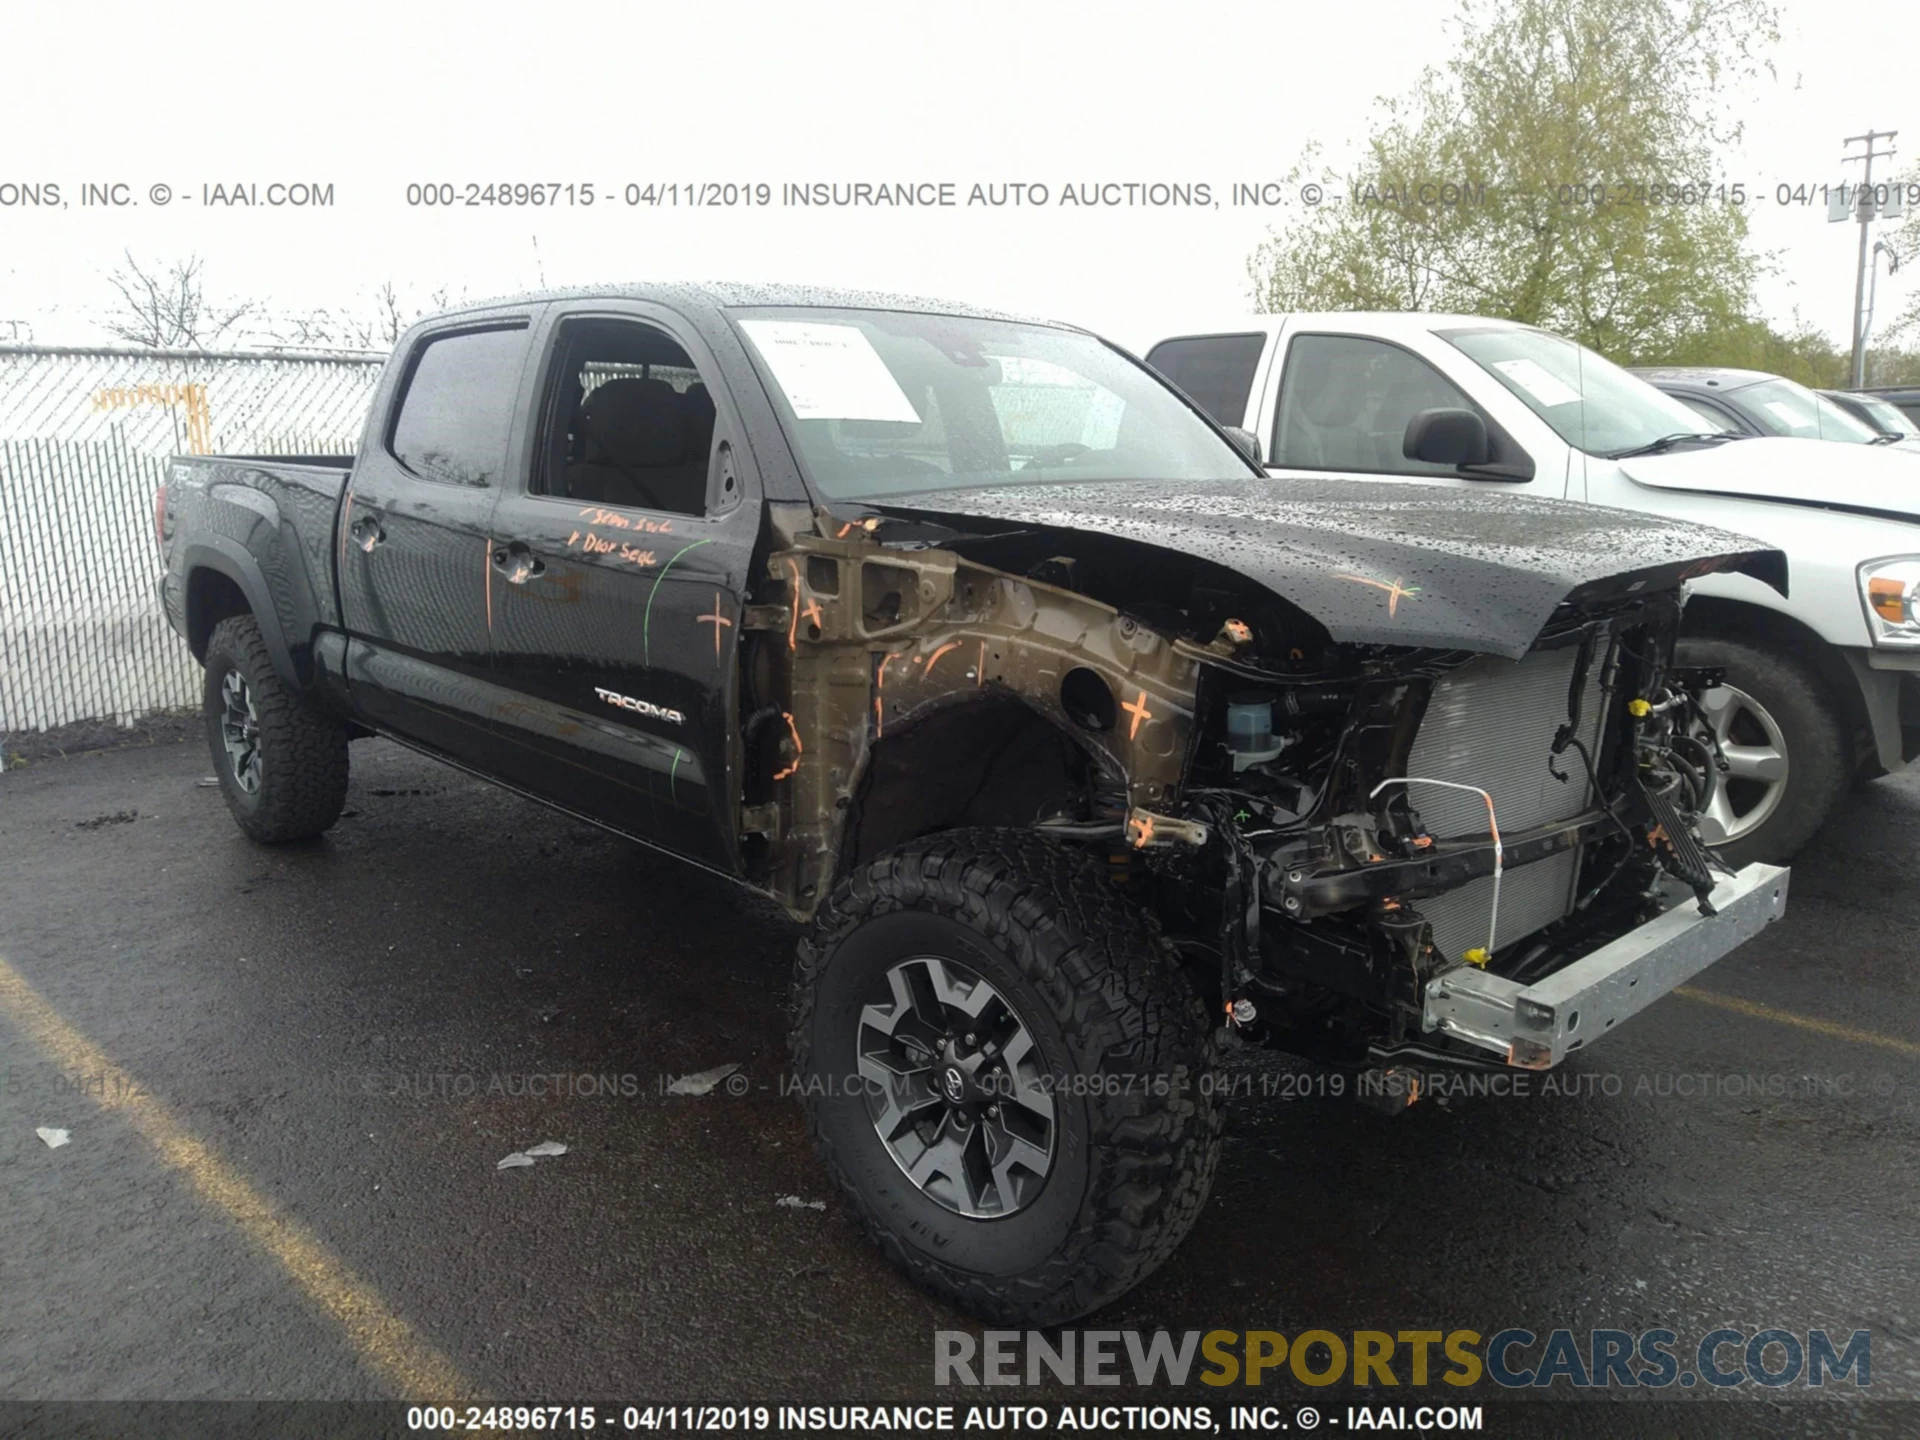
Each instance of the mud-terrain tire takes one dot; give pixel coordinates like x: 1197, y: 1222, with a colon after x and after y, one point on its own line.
x: 1120, y: 1043
x: 291, y: 783
x: 1780, y: 705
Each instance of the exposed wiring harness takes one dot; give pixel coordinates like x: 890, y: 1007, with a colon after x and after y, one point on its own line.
x: 1499, y: 850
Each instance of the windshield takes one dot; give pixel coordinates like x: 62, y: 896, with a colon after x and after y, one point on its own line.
x: 1590, y: 402
x: 886, y: 402
x: 1785, y: 407
x: 1886, y: 417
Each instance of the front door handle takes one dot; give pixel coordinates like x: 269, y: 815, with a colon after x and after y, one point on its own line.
x: 517, y: 563
x: 366, y: 532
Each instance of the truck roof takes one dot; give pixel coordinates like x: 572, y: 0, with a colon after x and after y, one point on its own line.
x: 1717, y: 377
x: 1389, y: 323
x: 710, y: 295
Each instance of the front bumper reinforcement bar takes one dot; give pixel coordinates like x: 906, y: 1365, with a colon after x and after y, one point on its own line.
x: 1535, y: 1027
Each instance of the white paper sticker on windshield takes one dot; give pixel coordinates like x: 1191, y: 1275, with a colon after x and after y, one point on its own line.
x: 1538, y: 381
x: 1791, y: 415
x: 830, y: 372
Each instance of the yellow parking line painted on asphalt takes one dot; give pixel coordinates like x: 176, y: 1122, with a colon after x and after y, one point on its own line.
x: 387, y: 1343
x: 1802, y: 1022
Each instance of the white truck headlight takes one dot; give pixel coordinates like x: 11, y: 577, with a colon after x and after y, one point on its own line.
x: 1890, y: 589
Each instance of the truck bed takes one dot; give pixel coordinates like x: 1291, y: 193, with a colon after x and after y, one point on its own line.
x: 267, y: 522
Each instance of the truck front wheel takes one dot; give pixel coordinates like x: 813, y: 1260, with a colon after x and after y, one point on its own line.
x: 1007, y: 1074
x: 282, y: 761
x: 1786, y: 749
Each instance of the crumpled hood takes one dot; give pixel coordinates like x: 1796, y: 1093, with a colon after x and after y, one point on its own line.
x: 1382, y: 563
x: 1869, y: 479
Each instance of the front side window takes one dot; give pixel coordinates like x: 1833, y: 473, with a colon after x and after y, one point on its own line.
x: 1216, y: 371
x: 884, y: 403
x: 1784, y: 407
x: 1590, y: 402
x: 459, y: 404
x: 1345, y: 402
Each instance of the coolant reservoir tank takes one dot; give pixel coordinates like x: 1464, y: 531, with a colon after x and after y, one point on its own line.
x: 1250, y: 730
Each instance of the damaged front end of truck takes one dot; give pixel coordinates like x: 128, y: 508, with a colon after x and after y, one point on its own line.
x: 1403, y: 777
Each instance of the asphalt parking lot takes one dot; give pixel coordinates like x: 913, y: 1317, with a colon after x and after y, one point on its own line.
x: 288, y: 1075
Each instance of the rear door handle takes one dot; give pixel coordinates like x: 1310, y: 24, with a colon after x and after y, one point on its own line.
x: 517, y: 563
x: 366, y: 532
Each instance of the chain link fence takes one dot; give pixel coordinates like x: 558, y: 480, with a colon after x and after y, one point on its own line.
x: 84, y: 439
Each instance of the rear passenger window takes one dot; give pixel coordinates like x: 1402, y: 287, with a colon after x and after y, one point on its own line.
x: 632, y: 421
x: 1215, y: 371
x: 459, y: 405
x: 1345, y: 403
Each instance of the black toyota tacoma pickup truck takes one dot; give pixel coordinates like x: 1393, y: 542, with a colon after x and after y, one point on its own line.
x: 1074, y: 739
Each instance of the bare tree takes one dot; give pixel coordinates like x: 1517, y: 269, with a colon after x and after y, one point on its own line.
x: 375, y: 324
x: 169, y: 309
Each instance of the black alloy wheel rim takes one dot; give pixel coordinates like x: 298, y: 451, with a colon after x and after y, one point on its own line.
x: 240, y: 731
x: 956, y: 1089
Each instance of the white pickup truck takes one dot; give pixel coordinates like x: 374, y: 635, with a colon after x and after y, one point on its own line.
x: 1821, y: 687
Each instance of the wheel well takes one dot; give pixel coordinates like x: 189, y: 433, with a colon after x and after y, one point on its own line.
x: 993, y: 761
x: 1710, y: 616
x: 211, y: 598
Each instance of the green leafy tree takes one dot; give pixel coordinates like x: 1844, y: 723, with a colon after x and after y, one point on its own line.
x: 1895, y: 359
x: 1559, y: 170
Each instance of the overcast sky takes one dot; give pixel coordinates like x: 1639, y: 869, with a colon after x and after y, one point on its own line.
x: 369, y: 98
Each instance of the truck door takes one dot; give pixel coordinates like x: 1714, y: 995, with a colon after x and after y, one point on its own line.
x: 413, y: 543
x: 620, y: 559
x: 1343, y: 406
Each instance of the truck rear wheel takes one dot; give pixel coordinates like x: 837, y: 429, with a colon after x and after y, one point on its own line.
x: 1006, y: 1073
x: 282, y: 761
x: 1788, y: 750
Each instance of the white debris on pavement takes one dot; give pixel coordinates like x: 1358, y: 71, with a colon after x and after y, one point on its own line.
x: 701, y: 1083
x: 521, y: 1158
x: 794, y: 1202
x: 54, y: 1138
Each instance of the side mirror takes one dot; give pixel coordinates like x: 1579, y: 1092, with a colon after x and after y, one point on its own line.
x: 1447, y: 437
x: 1246, y: 441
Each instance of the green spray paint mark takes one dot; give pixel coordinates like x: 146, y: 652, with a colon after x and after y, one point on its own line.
x: 646, y: 623
x: 678, y: 756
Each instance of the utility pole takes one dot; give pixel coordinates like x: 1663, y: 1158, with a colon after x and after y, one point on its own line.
x: 1865, y: 210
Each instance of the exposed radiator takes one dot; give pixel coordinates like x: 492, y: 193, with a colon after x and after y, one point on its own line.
x: 1491, y: 723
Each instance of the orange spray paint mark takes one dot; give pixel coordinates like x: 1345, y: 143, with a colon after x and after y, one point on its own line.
x: 794, y: 731
x: 934, y: 659
x: 1142, y: 827
x: 716, y: 619
x: 486, y: 567
x: 1138, y: 710
x: 1396, y: 592
x: 793, y: 609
